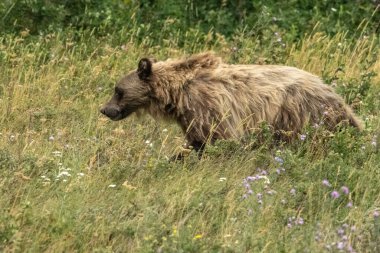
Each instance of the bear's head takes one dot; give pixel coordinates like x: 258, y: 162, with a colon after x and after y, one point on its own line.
x: 132, y: 92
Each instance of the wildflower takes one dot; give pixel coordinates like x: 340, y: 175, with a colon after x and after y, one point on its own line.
x: 260, y: 201
x: 64, y: 173
x: 289, y: 225
x: 303, y: 137
x: 293, y: 191
x: 259, y: 196
x: 349, y: 248
x: 264, y: 172
x: 353, y: 228
x: 335, y: 194
x: 266, y: 179
x: 57, y: 153
x: 279, y: 159
x: 245, y: 196
x: 340, y: 232
x: 112, y: 186
x: 345, y: 190
x: 164, y: 130
x: 325, y: 182
x: 249, y: 178
x: 376, y: 214
x: 51, y: 138
x: 340, y: 245
x: 147, y: 142
x: 198, y: 236
x: 247, y: 186
x: 349, y: 204
x: 300, y: 221
x: 278, y: 171
x: 374, y: 143
x: 222, y: 179
x: 250, y: 192
x: 283, y: 201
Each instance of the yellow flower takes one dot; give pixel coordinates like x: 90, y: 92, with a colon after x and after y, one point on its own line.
x: 198, y: 236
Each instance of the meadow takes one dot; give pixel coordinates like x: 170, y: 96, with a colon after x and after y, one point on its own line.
x: 73, y: 181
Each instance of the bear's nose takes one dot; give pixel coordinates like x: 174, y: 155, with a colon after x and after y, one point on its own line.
x: 110, y: 112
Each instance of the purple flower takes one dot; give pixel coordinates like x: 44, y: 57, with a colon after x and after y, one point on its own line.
x: 345, y: 190
x: 289, y: 225
x: 335, y: 194
x: 325, y: 182
x: 300, y: 221
x: 250, y: 192
x: 349, y: 248
x: 250, y: 179
x: 340, y: 245
x: 264, y: 172
x: 349, y: 204
x: 247, y: 186
x: 376, y: 214
x: 303, y: 137
x: 293, y: 191
x: 340, y: 232
x: 279, y: 159
x: 278, y: 171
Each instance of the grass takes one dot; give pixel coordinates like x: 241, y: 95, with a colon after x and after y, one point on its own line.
x: 71, y: 180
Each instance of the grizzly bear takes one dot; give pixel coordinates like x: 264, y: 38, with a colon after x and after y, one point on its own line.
x: 211, y: 100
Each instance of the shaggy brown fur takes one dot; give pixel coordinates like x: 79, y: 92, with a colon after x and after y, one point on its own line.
x: 212, y: 100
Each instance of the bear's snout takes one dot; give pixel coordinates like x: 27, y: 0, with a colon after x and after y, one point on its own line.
x: 110, y: 112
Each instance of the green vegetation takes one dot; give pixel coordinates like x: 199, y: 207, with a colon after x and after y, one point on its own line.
x: 73, y: 181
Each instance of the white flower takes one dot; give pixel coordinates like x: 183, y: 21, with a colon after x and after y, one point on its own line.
x: 112, y: 186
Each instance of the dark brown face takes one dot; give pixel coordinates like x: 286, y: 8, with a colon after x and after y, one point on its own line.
x: 132, y: 92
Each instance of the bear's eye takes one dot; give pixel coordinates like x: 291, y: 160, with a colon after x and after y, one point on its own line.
x: 119, y: 92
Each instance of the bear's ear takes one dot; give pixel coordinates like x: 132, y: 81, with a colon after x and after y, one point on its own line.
x: 144, y: 70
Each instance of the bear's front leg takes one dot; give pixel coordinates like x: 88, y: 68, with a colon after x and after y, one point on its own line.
x: 198, y: 147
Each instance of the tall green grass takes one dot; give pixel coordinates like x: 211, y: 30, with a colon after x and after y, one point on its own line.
x: 71, y: 180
